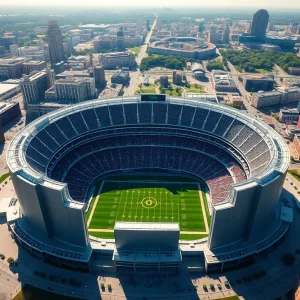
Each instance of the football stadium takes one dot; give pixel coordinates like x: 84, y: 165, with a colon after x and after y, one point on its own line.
x: 149, y: 181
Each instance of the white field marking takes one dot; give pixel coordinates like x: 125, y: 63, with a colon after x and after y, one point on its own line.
x: 127, y: 192
x: 149, y: 197
x: 166, y: 205
x: 182, y: 232
x: 119, y: 205
x: 172, y: 206
x: 153, y: 218
x: 95, y: 204
x: 178, y: 199
x: 203, y: 208
x: 137, y: 204
x: 132, y: 193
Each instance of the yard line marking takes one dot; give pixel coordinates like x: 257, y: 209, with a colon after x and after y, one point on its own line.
x: 132, y: 193
x: 137, y: 205
x: 119, y: 204
x: 160, y: 192
x: 203, y: 208
x: 172, y: 204
x: 166, y: 217
x: 95, y: 204
x: 124, y: 211
x: 178, y: 197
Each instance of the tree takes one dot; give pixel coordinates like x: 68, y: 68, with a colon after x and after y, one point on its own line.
x: 10, y: 261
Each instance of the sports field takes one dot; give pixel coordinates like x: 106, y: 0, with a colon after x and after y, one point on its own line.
x: 149, y: 201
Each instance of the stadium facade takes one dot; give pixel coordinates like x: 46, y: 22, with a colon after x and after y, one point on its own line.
x: 55, y: 160
x: 188, y: 47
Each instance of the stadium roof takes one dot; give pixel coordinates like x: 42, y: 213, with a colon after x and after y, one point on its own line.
x: 147, y: 226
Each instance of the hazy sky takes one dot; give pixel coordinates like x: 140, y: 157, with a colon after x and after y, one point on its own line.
x: 159, y: 3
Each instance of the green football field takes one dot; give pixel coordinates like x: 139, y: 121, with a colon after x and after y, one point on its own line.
x: 144, y: 201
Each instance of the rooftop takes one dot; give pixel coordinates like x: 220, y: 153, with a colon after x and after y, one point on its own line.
x: 147, y: 226
x: 6, y: 105
x: 6, y: 87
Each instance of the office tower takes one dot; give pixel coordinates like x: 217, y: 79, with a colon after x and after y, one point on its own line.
x: 226, y: 35
x: 56, y: 48
x: 259, y: 24
x: 11, y: 68
x: 201, y: 27
x: 31, y: 66
x: 8, y: 40
x: 120, y: 39
x: 75, y: 89
x: 117, y: 60
x: 35, y: 85
x: 99, y: 75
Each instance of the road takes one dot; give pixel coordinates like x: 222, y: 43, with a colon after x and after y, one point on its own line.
x: 143, y: 51
x: 136, y: 76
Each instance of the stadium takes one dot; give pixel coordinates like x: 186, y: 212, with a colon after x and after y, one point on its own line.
x: 188, y: 47
x: 149, y: 180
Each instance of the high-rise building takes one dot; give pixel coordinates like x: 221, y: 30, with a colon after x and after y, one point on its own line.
x: 259, y: 24
x: 226, y: 35
x: 201, y: 27
x: 75, y: 89
x: 8, y: 40
x: 117, y: 60
x: 11, y: 68
x: 35, y: 85
x: 120, y: 39
x: 55, y: 42
x: 99, y: 75
x: 30, y: 66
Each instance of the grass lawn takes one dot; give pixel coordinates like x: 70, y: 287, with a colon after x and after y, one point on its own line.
x: 135, y: 50
x: 263, y: 71
x: 150, y: 89
x: 4, y: 176
x: 195, y: 88
x: 145, y: 201
x: 206, y: 204
x: 171, y: 90
x: 192, y: 236
x: 103, y: 235
x: 295, y: 174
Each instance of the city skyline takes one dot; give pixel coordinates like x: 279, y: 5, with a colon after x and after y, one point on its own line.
x: 166, y: 3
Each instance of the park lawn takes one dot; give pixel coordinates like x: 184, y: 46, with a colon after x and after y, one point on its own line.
x: 295, y: 174
x: 172, y: 90
x: 194, y: 91
x: 262, y: 71
x: 135, y: 50
x: 4, y: 177
x: 172, y: 93
x: 150, y: 89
